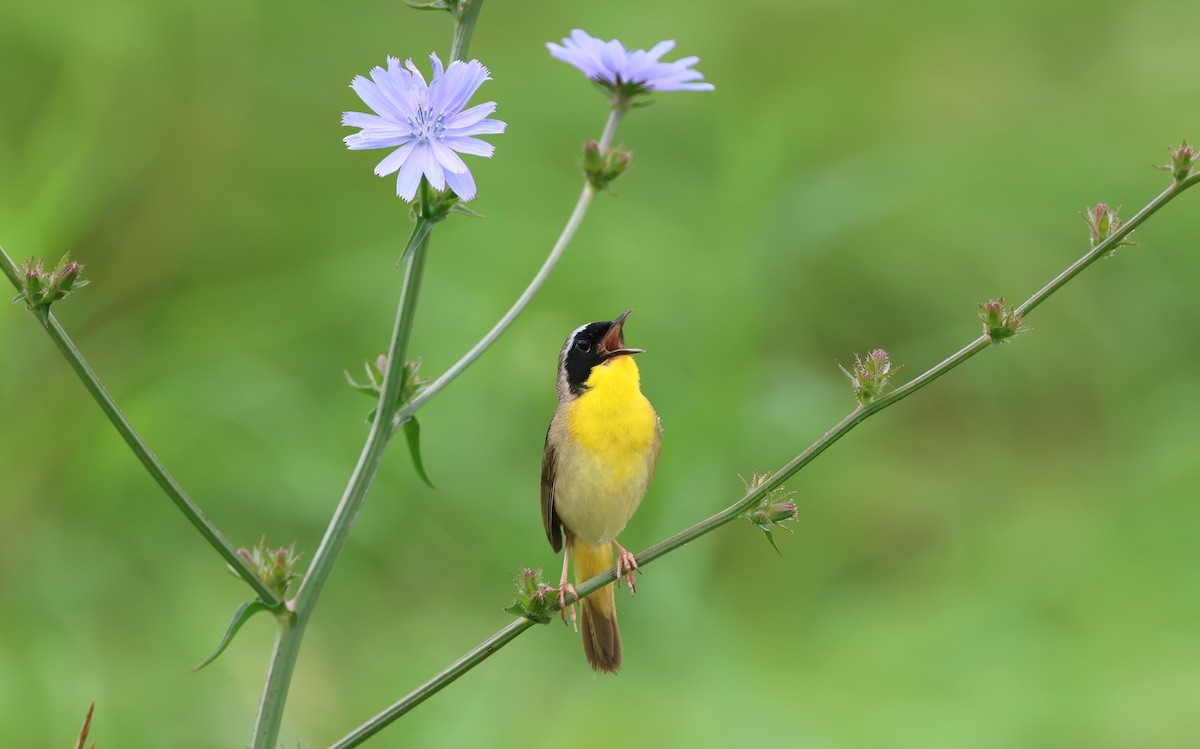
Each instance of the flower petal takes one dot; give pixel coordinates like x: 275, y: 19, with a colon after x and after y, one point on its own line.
x: 470, y: 146
x: 408, y: 179
x: 381, y: 138
x: 469, y: 117
x: 486, y: 127
x: 449, y: 160
x: 430, y: 166
x: 395, y: 159
x: 462, y: 183
x: 369, y: 92
x: 462, y: 80
x: 658, y: 50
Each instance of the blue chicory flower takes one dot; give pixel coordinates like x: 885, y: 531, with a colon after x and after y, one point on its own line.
x: 628, y: 72
x: 426, y: 121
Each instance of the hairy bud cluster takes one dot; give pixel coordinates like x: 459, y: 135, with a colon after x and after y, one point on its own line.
x: 275, y: 567
x: 871, y: 375
x: 40, y: 287
x: 602, y: 167
x: 1000, y: 323
x: 531, y: 596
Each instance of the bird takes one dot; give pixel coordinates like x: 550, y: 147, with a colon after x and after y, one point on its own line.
x: 602, y: 447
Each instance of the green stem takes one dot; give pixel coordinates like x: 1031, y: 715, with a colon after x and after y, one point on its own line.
x: 610, y: 128
x: 157, y: 470
x: 851, y: 420
x: 292, y: 627
x: 466, y: 16
x: 556, y: 252
x: 472, y: 659
x: 1110, y: 244
x: 287, y: 645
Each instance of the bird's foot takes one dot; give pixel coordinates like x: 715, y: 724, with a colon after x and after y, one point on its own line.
x: 565, y: 609
x: 627, y: 562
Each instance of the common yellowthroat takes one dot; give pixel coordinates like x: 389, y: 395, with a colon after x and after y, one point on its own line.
x: 601, y: 449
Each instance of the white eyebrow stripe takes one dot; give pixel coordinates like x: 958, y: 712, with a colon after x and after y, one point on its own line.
x: 577, y: 331
x: 562, y: 355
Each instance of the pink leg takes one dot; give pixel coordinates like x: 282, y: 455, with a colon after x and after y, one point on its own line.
x: 628, y: 562
x: 565, y: 587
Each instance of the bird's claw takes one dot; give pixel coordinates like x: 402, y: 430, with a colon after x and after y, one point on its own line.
x: 567, y: 609
x: 628, y: 562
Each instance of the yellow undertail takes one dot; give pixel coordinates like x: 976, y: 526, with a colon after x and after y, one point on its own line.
x: 601, y: 638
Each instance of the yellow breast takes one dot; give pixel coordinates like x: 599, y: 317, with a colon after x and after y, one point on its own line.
x: 612, y: 419
x: 608, y: 454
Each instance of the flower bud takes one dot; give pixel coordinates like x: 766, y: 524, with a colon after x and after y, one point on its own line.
x: 776, y: 513
x: 870, y: 375
x: 1000, y: 323
x: 33, y: 281
x: 275, y: 567
x: 602, y: 167
x: 67, y: 276
x: 1102, y: 222
x: 531, y: 596
x: 40, y: 288
x: 1183, y: 160
x: 773, y: 510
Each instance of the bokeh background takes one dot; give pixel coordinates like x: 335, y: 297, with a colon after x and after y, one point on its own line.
x: 1009, y: 558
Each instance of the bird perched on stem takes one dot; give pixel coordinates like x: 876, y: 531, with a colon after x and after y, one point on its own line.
x: 601, y: 449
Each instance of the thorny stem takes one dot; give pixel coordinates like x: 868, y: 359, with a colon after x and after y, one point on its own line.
x: 851, y: 420
x: 157, y: 470
x: 556, y: 252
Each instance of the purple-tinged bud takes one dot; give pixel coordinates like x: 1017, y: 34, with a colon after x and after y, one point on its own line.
x: 531, y: 596
x: 67, y: 276
x: 602, y: 167
x: 773, y: 510
x: 1102, y: 221
x: 999, y: 322
x: 1182, y: 162
x: 870, y: 376
x: 774, y: 513
x: 33, y: 281
x: 275, y: 567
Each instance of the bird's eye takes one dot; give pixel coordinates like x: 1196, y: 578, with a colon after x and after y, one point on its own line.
x: 583, y: 345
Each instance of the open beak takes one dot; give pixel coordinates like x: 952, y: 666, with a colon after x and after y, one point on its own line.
x: 613, y: 342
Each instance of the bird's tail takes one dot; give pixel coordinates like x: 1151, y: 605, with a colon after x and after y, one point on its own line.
x: 601, y: 639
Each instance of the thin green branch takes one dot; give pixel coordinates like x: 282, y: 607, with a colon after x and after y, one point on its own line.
x: 292, y: 627
x: 157, y: 470
x: 466, y: 15
x: 851, y: 420
x: 469, y: 661
x: 556, y: 252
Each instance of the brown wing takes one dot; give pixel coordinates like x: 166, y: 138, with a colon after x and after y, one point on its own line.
x: 549, y: 517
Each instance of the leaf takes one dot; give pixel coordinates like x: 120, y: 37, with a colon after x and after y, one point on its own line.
x: 420, y: 232
x: 87, y: 726
x: 435, y: 5
x: 412, y: 431
x: 771, y: 538
x: 240, y: 617
x: 537, y: 618
x: 460, y: 208
x: 370, y: 390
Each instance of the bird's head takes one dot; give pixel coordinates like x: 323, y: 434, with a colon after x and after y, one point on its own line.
x: 590, y: 346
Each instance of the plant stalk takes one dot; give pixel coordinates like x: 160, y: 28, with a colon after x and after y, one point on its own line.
x: 466, y: 16
x: 148, y: 459
x: 556, y: 252
x: 292, y: 626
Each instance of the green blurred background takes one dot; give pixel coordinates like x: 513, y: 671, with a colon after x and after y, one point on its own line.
x: 1007, y: 559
